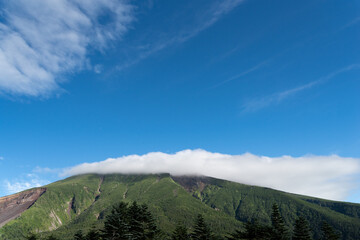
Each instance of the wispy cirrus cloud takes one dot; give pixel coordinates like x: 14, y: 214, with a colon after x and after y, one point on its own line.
x: 242, y: 74
x: 205, y: 19
x: 328, y: 177
x: 257, y: 104
x: 351, y: 23
x: 211, y: 16
x: 41, y: 41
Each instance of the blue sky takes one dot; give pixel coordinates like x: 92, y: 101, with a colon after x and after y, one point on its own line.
x: 83, y: 81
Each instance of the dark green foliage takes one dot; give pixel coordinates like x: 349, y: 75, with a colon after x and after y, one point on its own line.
x: 236, y: 235
x: 253, y: 231
x: 279, y: 230
x: 129, y: 222
x: 256, y: 231
x: 180, y: 233
x: 116, y: 224
x: 149, y: 227
x: 79, y: 235
x: 141, y: 222
x: 201, y: 229
x: 301, y: 229
x: 51, y: 237
x: 328, y: 232
x: 93, y: 234
x: 32, y: 237
x: 135, y: 221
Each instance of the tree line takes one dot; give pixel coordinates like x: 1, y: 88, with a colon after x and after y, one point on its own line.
x: 278, y: 230
x: 135, y: 222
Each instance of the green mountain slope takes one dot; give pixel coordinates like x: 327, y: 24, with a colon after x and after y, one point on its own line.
x: 81, y: 202
x: 244, y: 202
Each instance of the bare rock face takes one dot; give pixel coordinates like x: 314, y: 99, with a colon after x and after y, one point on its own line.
x: 192, y: 183
x: 12, y: 206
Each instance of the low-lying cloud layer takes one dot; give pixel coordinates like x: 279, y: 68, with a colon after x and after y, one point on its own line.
x: 329, y: 177
x: 42, y: 40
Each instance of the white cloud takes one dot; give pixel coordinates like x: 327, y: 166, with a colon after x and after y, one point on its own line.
x: 322, y: 176
x: 276, y: 98
x: 31, y: 181
x: 40, y: 41
x: 1, y: 158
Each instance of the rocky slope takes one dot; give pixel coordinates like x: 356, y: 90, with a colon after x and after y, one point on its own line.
x: 12, y: 206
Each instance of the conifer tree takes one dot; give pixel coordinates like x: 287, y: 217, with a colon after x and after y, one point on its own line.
x: 79, y: 235
x: 136, y: 230
x: 254, y: 231
x: 130, y: 222
x: 93, y: 234
x: 328, y: 232
x: 279, y: 230
x: 32, y: 237
x: 116, y: 225
x: 201, y: 230
x: 301, y: 229
x: 180, y: 233
x: 149, y: 226
x: 51, y: 237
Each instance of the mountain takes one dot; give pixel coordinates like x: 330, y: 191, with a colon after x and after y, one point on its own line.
x: 80, y: 202
x: 12, y: 206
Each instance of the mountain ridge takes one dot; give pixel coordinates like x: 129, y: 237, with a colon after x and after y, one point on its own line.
x: 83, y: 200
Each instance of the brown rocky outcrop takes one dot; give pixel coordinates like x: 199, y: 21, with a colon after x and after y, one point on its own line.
x: 192, y: 183
x: 12, y: 206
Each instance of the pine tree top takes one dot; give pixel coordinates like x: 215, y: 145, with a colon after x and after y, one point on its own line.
x: 302, y: 229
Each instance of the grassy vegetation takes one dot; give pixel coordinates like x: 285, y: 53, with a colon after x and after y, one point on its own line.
x: 76, y: 203
x: 248, y: 202
x: 169, y: 203
x: 50, y: 210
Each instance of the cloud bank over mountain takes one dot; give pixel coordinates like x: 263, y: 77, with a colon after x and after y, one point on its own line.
x: 329, y: 177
